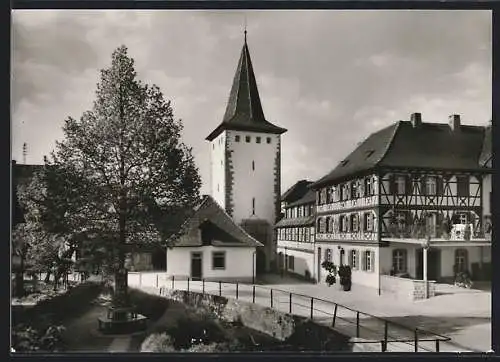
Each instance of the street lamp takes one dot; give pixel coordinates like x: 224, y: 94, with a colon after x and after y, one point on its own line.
x: 425, y: 248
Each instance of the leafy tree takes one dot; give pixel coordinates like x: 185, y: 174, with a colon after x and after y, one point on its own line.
x: 121, y: 178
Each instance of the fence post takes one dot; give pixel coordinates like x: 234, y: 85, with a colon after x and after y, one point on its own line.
x: 253, y: 294
x: 384, y: 346
x: 157, y: 280
x: 271, y: 298
x: 236, y: 290
x: 220, y: 288
x: 357, y: 324
x: 188, y: 283
x: 312, y: 307
x: 334, y: 315
x: 416, y: 339
x: 437, y: 345
x: 173, y: 281
x: 203, y: 285
x: 290, y: 304
x: 386, y: 330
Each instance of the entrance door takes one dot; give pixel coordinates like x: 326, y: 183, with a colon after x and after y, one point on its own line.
x: 196, y: 266
x: 433, y: 264
x: 319, y: 266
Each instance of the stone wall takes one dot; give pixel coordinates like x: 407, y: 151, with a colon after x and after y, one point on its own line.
x: 282, y: 326
x: 405, y: 288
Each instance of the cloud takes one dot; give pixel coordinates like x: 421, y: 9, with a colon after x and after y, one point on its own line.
x: 329, y: 77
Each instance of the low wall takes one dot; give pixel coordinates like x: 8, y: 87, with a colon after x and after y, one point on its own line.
x: 282, y: 326
x: 406, y: 288
x: 158, y: 279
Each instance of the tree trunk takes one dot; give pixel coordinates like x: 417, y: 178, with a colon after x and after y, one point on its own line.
x: 120, y: 296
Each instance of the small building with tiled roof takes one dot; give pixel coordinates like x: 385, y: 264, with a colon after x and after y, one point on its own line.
x: 408, y: 183
x: 295, y: 231
x: 245, y: 162
x: 212, y: 247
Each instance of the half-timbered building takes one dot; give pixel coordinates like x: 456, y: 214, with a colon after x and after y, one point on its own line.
x: 295, y: 231
x: 406, y: 184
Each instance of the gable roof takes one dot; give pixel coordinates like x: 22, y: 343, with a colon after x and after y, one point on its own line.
x: 216, y: 226
x: 297, y: 191
x: 244, y: 109
x: 427, y: 146
x: 485, y: 158
x: 308, y: 198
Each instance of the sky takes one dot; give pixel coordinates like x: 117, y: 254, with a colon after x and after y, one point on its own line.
x: 331, y: 77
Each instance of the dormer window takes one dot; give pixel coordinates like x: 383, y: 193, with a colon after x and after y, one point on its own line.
x: 257, y: 139
x: 369, y: 153
x: 268, y: 139
x: 237, y: 138
x: 344, y: 162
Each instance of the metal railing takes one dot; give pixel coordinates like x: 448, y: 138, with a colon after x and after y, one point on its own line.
x: 346, y: 320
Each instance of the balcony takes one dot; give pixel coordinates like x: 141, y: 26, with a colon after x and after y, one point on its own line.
x: 457, y: 232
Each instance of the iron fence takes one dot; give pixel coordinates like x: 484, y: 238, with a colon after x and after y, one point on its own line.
x: 366, y: 328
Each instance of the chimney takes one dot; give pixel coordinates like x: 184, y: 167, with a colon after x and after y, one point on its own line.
x: 416, y: 119
x: 454, y: 122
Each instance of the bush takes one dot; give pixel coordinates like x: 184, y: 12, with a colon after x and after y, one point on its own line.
x: 209, y: 348
x: 345, y: 275
x: 331, y: 268
x: 158, y: 342
x: 28, y: 339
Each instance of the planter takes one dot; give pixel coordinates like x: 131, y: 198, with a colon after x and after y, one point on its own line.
x: 346, y: 287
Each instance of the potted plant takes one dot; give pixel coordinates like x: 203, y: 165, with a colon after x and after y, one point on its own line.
x: 331, y: 268
x: 345, y: 277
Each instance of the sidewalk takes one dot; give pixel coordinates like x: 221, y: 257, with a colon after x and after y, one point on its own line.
x: 454, y: 315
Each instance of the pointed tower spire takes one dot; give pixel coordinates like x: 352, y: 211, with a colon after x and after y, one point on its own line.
x: 244, y: 109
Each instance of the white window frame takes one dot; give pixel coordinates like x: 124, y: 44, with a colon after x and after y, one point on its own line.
x: 214, y: 253
x: 399, y: 261
x: 430, y: 185
x: 353, y: 258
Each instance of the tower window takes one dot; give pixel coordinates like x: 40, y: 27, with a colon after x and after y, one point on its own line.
x: 247, y: 139
x: 257, y: 139
x: 253, y: 165
x: 253, y: 205
x: 268, y: 139
x: 237, y: 138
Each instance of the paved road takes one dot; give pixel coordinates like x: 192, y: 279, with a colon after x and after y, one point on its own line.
x: 323, y: 311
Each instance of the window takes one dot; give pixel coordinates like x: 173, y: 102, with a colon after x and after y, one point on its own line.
x: 354, y: 222
x: 306, y: 235
x: 463, y: 186
x: 430, y: 186
x: 462, y: 218
x: 344, y: 221
x: 268, y: 139
x: 353, y: 259
x: 354, y: 189
x: 253, y: 165
x: 368, y: 187
x: 368, y: 221
x: 400, y: 185
x: 291, y: 262
x: 368, y: 262
x: 460, y: 260
x: 218, y: 260
x: 257, y: 139
x: 328, y: 254
x: 237, y: 138
x: 342, y: 256
x: 399, y: 261
x: 247, y: 139
x: 253, y: 205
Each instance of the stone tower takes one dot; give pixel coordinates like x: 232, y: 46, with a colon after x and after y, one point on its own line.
x: 245, y: 156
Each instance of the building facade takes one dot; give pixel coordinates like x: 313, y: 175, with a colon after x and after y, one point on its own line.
x: 404, y: 185
x: 295, y: 231
x: 245, y: 162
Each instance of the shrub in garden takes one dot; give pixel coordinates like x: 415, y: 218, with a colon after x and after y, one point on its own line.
x: 345, y: 275
x: 28, y: 339
x: 331, y: 268
x: 158, y: 342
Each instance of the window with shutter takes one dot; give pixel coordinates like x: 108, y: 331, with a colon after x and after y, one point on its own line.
x: 363, y: 261
x: 362, y: 223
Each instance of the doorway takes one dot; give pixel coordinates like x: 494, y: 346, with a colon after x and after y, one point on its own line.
x: 196, y: 266
x: 433, y: 264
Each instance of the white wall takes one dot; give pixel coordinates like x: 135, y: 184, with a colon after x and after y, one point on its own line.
x: 302, y: 261
x: 239, y: 262
x: 258, y: 183
x: 359, y: 276
x: 217, y: 169
x: 474, y: 256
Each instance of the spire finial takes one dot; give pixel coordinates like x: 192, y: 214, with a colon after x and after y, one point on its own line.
x: 245, y: 32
